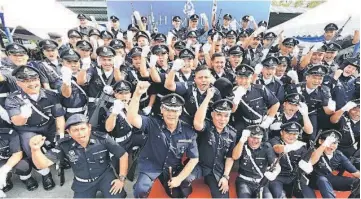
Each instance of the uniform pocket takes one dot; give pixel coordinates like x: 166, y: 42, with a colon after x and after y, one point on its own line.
x: 100, y: 156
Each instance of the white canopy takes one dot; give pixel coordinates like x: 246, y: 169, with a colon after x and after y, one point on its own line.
x: 313, y: 21
x: 39, y: 16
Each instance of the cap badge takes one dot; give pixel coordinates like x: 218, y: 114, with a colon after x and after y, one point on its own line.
x: 173, y: 100
x: 320, y: 70
x: 186, y: 52
x: 224, y: 105
x: 47, y: 42
x: 84, y: 43
x: 293, y: 126
x: 283, y: 59
x: 26, y: 70
x: 297, y: 97
x: 122, y: 85
x: 136, y: 50
x: 238, y: 49
x: 71, y: 52
x: 16, y: 47
x: 270, y: 61
x: 331, y: 46
x: 105, y: 50
x: 258, y: 129
x: 243, y: 69
x: 116, y: 42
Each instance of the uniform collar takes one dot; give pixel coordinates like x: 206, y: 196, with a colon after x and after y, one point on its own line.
x: 41, y: 95
x: 179, y: 128
x: 77, y: 145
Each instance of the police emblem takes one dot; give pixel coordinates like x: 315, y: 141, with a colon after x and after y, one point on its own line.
x: 72, y: 156
x: 186, y: 52
x: 84, y: 43
x: 297, y: 97
x: 331, y: 46
x: 238, y: 49
x: 270, y: 61
x: 16, y: 47
x: 283, y: 59
x: 47, y: 42
x: 105, y: 50
x: 293, y: 126
x: 71, y: 52
x: 243, y: 69
x: 320, y: 70
x: 122, y: 85
x: 224, y: 105
x: 258, y: 129
x: 173, y: 100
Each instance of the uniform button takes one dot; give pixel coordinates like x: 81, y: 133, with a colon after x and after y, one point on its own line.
x: 90, y: 169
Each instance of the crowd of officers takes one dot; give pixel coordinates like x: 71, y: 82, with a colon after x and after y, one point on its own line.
x: 289, y: 117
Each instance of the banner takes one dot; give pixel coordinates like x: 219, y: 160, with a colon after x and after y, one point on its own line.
x: 164, y: 11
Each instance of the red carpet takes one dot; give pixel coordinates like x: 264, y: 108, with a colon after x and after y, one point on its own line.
x: 201, y: 190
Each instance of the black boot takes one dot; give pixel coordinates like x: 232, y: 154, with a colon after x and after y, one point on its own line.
x: 48, y: 182
x: 9, y: 184
x: 30, y: 183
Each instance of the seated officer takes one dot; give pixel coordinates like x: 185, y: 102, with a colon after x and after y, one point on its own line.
x: 293, y: 110
x: 35, y: 111
x: 11, y: 157
x: 326, y: 159
x: 254, y: 158
x: 295, y: 152
x: 348, y: 123
x: 117, y: 124
x: 168, y: 140
x: 88, y: 153
x: 216, y: 140
x: 73, y: 97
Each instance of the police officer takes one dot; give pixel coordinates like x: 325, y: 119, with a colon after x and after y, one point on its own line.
x: 159, y: 39
x: 88, y: 152
x: 268, y: 39
x: 283, y: 74
x: 115, y: 27
x: 168, y: 140
x: 186, y: 74
x: 255, y: 103
x: 316, y: 95
x: 245, y: 24
x: 330, y: 32
x: 295, y: 152
x: 254, y: 158
x: 51, y: 65
x: 227, y: 18
x: 268, y: 68
x: 74, y: 36
x: 326, y: 159
x: 236, y: 54
x: 106, y: 36
x: 85, y: 50
x: 73, y: 97
x: 216, y: 140
x: 83, y: 28
x: 142, y: 39
x: 193, y: 23
x: 218, y: 65
x: 194, y: 93
x: 348, y: 122
x: 35, y: 111
x: 330, y: 55
x: 99, y: 80
x: 293, y: 110
x: 178, y: 31
x: 11, y: 157
x: 254, y: 50
x: 178, y: 46
x: 231, y: 37
x: 117, y: 124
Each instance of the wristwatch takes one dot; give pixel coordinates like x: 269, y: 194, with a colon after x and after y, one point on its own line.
x: 226, y: 177
x: 122, y: 178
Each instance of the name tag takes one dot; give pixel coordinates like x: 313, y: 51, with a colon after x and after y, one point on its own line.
x: 260, y: 158
x: 49, y: 106
x: 184, y: 141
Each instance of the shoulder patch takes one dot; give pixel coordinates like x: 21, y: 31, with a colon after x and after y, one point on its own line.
x: 100, y: 134
x: 65, y: 139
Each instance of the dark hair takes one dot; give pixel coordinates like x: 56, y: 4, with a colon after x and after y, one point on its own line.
x: 200, y: 68
x: 217, y: 55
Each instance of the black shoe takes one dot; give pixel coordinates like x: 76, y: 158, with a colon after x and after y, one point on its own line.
x: 9, y: 183
x: 48, y: 182
x: 31, y: 184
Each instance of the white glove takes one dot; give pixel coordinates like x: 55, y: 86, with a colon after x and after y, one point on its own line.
x: 349, y: 106
x: 258, y: 68
x: 206, y: 48
x: 329, y: 140
x: 120, y: 36
x: 189, y: 43
x: 100, y: 43
x: 2, y: 180
x: 118, y: 61
x: 94, y: 43
x: 331, y: 105
x: 117, y: 107
x: 197, y: 47
x: 108, y: 90
x: 295, y: 51
x: 5, y: 169
x: 130, y: 36
x: 294, y: 146
x: 303, y: 108
x: 137, y: 15
x: 259, y: 30
x: 293, y: 75
x: 66, y: 75
x: 4, y: 115
x: 276, y: 126
x: 251, y: 18
x: 204, y: 16
x: 2, y: 194
x: 153, y: 60
x: 86, y: 63
x: 316, y: 47
x: 170, y: 38
x: 215, y: 37
x: 26, y: 111
x: 145, y: 51
x: 178, y: 64
x: 147, y: 110
x: 233, y: 25
x: 305, y: 166
x: 270, y: 175
x: 267, y: 122
x: 239, y: 43
x: 238, y: 94
x: 245, y: 134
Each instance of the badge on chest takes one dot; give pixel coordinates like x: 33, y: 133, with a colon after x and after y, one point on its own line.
x: 72, y: 156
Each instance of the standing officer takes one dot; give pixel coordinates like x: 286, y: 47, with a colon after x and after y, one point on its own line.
x: 193, y: 23
x: 295, y: 152
x: 329, y: 57
x: 35, y: 111
x: 254, y: 50
x: 218, y: 65
x: 268, y: 68
x: 227, y: 18
x: 194, y: 92
x: 254, y: 158
x: 106, y: 36
x: 245, y: 23
x: 115, y: 27
x: 216, y: 142
x: 85, y: 50
x: 316, y: 95
x: 326, y: 159
x: 83, y: 28
x: 231, y: 37
x: 168, y: 140
x: 51, y: 65
x: 235, y: 54
x: 254, y: 103
x: 330, y: 32
x: 73, y: 97
x: 186, y: 74
x: 88, y: 152
x: 11, y: 157
x: 178, y: 31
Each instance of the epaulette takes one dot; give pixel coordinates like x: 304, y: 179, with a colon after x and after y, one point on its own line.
x: 232, y: 128
x: 100, y: 134
x: 49, y: 92
x: 66, y: 138
x: 267, y: 145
